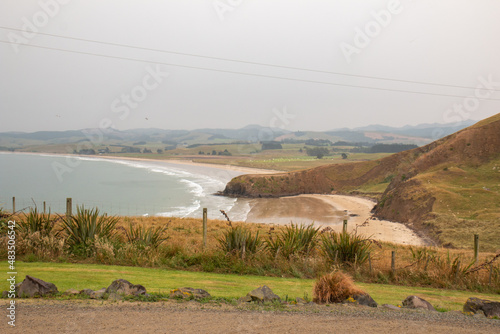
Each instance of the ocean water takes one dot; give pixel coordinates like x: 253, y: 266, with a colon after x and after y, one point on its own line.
x: 116, y: 187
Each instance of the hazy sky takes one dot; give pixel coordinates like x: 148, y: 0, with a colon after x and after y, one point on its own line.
x: 450, y: 42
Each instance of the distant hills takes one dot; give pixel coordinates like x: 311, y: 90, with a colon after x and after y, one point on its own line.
x: 419, y: 135
x: 448, y: 189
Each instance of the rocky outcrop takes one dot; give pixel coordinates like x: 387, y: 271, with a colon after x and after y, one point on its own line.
x: 488, y: 307
x: 417, y: 302
x: 35, y: 287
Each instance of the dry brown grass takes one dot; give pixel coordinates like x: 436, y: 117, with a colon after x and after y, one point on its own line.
x: 334, y: 288
x: 415, y: 266
x: 187, y: 233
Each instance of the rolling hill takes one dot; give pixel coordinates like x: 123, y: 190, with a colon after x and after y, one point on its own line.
x: 420, y: 135
x: 448, y: 189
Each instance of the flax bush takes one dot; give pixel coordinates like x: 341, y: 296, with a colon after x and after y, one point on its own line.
x: 293, y: 240
x: 345, y: 247
x: 85, y: 227
x: 239, y: 239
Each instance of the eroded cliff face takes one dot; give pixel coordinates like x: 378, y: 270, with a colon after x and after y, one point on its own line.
x: 278, y: 185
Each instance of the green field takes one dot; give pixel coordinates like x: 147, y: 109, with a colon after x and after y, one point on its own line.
x: 81, y: 276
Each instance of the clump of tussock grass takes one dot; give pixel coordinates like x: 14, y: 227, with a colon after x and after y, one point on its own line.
x: 334, y: 288
x: 146, y: 237
x: 293, y: 240
x: 45, y: 247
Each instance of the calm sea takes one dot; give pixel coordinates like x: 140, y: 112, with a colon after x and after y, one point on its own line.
x: 117, y: 187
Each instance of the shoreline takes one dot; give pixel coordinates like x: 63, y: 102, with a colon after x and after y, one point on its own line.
x: 244, y: 170
x: 322, y: 210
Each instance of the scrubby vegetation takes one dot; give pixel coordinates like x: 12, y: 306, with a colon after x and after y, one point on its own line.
x: 334, y: 288
x: 246, y: 249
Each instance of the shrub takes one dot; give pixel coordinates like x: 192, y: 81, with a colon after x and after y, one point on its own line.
x: 334, y: 288
x: 144, y: 237
x: 35, y: 222
x: 85, y: 227
x: 42, y: 246
x: 345, y: 247
x: 4, y: 218
x: 104, y: 251
x: 239, y: 239
x: 293, y: 240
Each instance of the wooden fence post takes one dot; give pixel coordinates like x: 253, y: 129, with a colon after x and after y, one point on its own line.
x: 393, y: 263
x: 69, y: 207
x: 204, y: 227
x: 13, y: 205
x: 344, y: 229
x: 476, y: 246
x: 44, y: 207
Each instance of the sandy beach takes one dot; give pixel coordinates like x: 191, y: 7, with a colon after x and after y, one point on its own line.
x: 330, y: 211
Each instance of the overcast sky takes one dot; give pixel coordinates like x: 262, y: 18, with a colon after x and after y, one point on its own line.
x: 449, y: 42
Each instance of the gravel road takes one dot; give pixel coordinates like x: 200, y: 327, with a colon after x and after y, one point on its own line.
x: 89, y: 316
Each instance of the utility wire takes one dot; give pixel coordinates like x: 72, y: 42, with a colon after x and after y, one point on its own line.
x: 251, y: 62
x: 247, y: 74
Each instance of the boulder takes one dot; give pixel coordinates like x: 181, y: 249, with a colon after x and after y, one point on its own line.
x: 71, y: 292
x: 35, y: 287
x: 98, y: 294
x: 246, y: 299
x: 189, y: 293
x: 263, y: 294
x: 488, y: 307
x: 86, y: 292
x: 124, y: 287
x: 391, y: 307
x: 417, y: 302
x: 365, y: 299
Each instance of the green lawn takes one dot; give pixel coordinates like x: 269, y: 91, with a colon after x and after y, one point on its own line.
x: 81, y: 276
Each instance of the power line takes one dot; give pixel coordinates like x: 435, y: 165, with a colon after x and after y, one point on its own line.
x: 247, y: 74
x: 251, y: 62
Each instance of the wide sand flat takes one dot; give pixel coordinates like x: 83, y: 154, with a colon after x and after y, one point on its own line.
x: 331, y: 210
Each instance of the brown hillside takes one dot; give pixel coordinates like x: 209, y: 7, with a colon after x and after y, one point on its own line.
x: 434, y: 182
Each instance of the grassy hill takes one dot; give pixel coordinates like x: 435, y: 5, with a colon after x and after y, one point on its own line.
x: 448, y: 189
